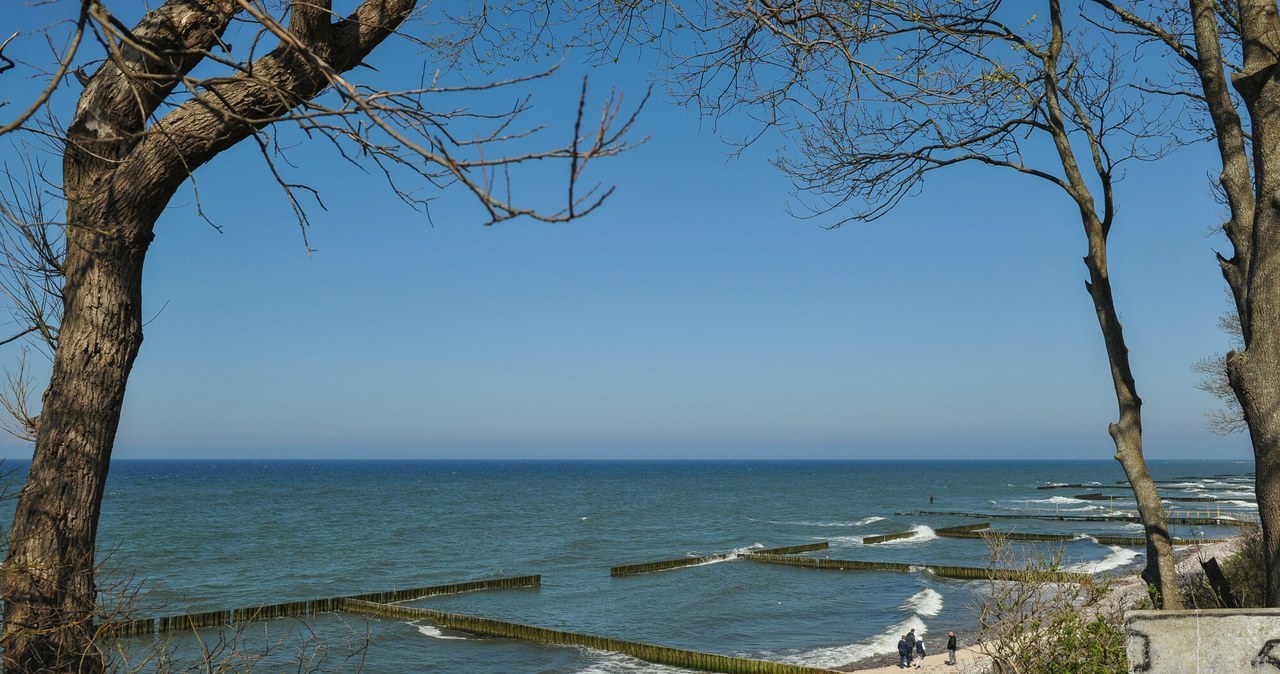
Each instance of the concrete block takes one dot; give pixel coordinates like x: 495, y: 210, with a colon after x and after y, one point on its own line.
x: 1235, y: 641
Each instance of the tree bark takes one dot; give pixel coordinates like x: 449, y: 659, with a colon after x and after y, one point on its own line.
x: 1253, y: 272
x: 50, y: 593
x: 1255, y: 373
x: 118, y: 176
x: 1160, y: 573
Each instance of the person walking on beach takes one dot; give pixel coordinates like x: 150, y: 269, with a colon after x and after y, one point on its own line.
x: 911, y: 645
x: 920, y: 652
x: 904, y: 653
x: 951, y: 648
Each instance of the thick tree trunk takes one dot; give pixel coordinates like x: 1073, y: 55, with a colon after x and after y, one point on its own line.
x: 120, y: 168
x: 1254, y: 273
x: 1255, y: 374
x: 49, y: 575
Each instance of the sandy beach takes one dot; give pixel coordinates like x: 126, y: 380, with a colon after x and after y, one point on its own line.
x: 970, y: 660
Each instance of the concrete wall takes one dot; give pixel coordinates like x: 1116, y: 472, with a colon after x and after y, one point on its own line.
x: 1204, y: 642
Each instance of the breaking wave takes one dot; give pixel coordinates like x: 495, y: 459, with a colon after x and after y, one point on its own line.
x: 1116, y: 558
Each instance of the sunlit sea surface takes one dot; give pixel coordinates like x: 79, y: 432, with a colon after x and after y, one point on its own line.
x: 209, y: 535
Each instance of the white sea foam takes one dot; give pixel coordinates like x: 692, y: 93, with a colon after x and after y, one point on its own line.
x: 926, y: 602
x: 1116, y: 558
x: 835, y: 656
x: 616, y: 663
x: 920, y: 533
x: 434, y: 632
x: 1056, y: 499
x: 868, y: 520
x: 725, y: 557
x: 812, y: 523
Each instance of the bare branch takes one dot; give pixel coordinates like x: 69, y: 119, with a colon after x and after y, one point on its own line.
x: 64, y: 64
x: 21, y: 421
x: 5, y: 62
x: 878, y: 95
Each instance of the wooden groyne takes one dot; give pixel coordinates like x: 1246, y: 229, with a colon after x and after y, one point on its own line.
x: 664, y: 565
x: 663, y: 655
x: 193, y: 621
x: 827, y: 563
x: 1180, y: 480
x: 795, y: 549
x: 1139, y: 541
x: 1098, y: 496
x: 949, y: 531
x: 393, y: 596
x: 956, y: 572
x: 982, y: 531
x: 1187, y: 519
x: 872, y: 540
x: 883, y: 538
x: 1077, y: 485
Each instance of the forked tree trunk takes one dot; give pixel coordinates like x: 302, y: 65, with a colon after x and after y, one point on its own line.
x: 120, y: 169
x: 1126, y: 432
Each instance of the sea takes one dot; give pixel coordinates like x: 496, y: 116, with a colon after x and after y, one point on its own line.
x: 191, y: 536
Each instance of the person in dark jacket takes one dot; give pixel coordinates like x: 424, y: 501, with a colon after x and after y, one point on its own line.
x: 904, y: 653
x: 911, y: 645
x: 951, y: 648
x: 920, y: 652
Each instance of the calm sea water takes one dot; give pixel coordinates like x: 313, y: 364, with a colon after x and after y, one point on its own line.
x: 207, y: 535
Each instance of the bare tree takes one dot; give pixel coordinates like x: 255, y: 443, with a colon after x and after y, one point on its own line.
x: 1232, y: 50
x: 1029, y: 621
x: 164, y: 98
x: 879, y: 95
x: 1215, y: 381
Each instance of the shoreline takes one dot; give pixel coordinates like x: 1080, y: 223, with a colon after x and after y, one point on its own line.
x: 971, y: 660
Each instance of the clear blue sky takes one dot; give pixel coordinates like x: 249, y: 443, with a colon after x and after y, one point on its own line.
x: 690, y: 317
